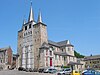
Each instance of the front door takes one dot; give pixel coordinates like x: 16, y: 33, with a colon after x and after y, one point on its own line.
x: 50, y: 61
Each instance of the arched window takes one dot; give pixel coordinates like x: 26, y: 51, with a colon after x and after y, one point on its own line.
x: 25, y: 27
x: 29, y: 26
x: 50, y: 52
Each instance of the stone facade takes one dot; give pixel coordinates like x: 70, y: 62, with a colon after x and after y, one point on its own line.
x: 36, y: 51
x: 19, y: 49
x: 58, y: 54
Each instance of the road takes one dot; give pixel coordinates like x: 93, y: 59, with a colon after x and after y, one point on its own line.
x: 15, y: 72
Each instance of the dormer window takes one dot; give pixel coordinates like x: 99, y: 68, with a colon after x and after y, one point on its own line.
x: 29, y: 26
x: 68, y: 49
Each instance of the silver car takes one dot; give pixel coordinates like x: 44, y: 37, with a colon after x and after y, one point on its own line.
x: 65, y: 71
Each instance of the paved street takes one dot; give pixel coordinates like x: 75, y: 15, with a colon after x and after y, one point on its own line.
x: 15, y: 72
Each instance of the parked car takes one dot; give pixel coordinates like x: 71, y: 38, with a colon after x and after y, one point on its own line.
x: 52, y: 70
x: 46, y: 70
x: 21, y: 69
x: 90, y: 72
x: 41, y: 70
x: 74, y: 72
x: 29, y: 70
x: 35, y: 70
x: 66, y: 71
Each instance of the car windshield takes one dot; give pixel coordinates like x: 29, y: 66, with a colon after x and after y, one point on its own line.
x: 67, y: 69
x: 90, y: 71
x: 50, y: 69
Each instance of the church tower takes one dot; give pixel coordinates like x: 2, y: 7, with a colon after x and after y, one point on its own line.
x: 39, y: 36
x: 25, y: 42
x: 30, y: 39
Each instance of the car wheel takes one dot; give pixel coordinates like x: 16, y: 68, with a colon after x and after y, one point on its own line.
x: 63, y: 74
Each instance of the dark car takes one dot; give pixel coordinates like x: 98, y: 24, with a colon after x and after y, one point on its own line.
x: 41, y: 70
x: 90, y: 72
x: 20, y: 69
x: 35, y: 70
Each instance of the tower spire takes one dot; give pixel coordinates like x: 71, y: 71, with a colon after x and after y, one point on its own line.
x: 31, y: 14
x: 39, y: 17
x: 24, y: 20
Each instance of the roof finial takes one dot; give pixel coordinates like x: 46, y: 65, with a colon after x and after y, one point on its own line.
x: 31, y: 2
x: 68, y: 42
x: 39, y: 17
x: 31, y: 13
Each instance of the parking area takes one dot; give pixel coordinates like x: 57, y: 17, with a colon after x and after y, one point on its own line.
x: 16, y: 72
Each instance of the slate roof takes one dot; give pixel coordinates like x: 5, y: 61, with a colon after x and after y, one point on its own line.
x: 92, y: 57
x: 62, y: 43
x: 5, y: 48
x: 53, y: 43
x: 74, y: 63
x: 44, y: 45
x: 59, y: 44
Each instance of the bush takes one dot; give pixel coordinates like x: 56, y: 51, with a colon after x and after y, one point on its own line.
x: 66, y: 67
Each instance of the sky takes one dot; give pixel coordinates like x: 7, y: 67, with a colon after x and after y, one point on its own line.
x: 74, y: 20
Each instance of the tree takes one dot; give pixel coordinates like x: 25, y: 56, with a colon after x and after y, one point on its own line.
x: 78, y: 55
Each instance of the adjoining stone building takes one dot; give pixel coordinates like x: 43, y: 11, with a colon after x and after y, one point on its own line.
x: 92, y: 62
x: 5, y: 58
x: 36, y: 51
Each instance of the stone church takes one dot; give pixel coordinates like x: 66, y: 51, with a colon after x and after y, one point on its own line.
x: 36, y: 51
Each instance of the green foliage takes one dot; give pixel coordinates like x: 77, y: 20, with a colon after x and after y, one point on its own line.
x: 78, y: 55
x: 66, y: 66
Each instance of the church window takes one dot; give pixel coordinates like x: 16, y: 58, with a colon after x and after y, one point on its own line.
x: 20, y: 36
x: 1, y: 61
x: 46, y: 64
x: 35, y: 40
x: 69, y: 57
x: 50, y: 52
x: 46, y: 52
x: 25, y: 27
x: 55, y: 57
x: 59, y: 57
x: 29, y: 26
x: 64, y: 58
